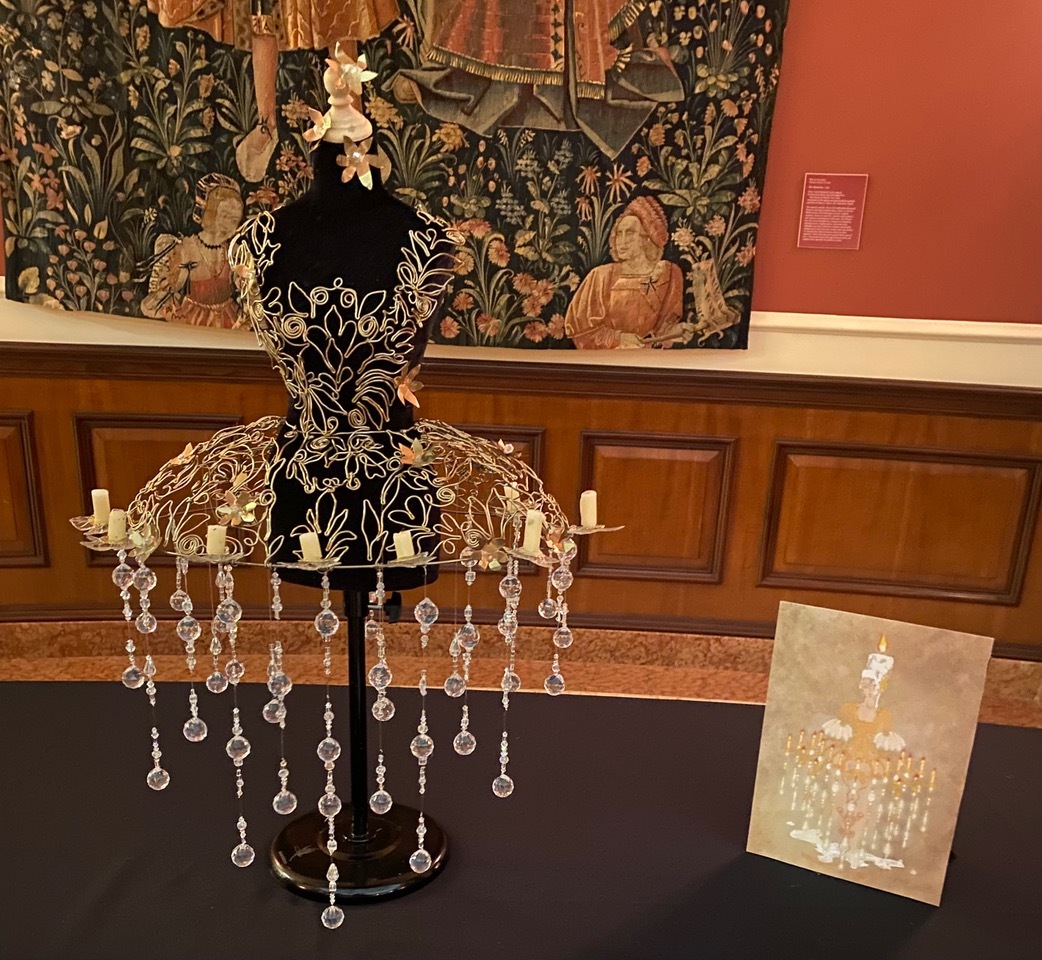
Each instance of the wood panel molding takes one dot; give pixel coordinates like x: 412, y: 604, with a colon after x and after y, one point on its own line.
x: 707, y: 458
x: 949, y: 489
x: 541, y: 377
x: 23, y: 542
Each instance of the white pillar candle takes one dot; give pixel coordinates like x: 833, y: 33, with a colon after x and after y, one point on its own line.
x: 216, y: 539
x: 588, y: 508
x: 533, y: 532
x: 403, y: 545
x: 100, y: 500
x: 117, y: 526
x: 310, y: 548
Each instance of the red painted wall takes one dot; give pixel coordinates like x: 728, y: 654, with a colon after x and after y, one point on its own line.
x: 940, y: 102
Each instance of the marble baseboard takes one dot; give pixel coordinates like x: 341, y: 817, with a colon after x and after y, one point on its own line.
x: 601, y: 662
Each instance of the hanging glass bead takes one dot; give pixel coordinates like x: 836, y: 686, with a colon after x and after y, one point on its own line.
x: 426, y: 612
x: 274, y: 711
x: 468, y: 636
x: 380, y: 802
x: 329, y: 805
x: 455, y: 685
x: 189, y: 629
x: 242, y: 855
x: 217, y: 682
x: 383, y: 709
x: 563, y: 638
x: 562, y: 578
x: 284, y: 802
x: 132, y: 678
x: 547, y: 608
x: 554, y: 684
x: 511, y: 682
x: 279, y: 684
x: 328, y: 750
x: 420, y: 861
x: 470, y: 557
x: 178, y: 601
x: 380, y: 675
x: 327, y: 623
x: 422, y: 746
x: 194, y: 729
x: 123, y: 576
x: 238, y: 748
x: 144, y: 579
x: 158, y: 778
x: 234, y: 669
x: 502, y: 786
x: 332, y: 916
x: 229, y: 611
x: 464, y: 743
x: 510, y: 587
x: 146, y: 622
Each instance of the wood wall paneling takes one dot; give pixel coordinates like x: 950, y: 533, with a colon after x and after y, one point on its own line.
x: 671, y: 495
x: 903, y: 522
x: 22, y: 540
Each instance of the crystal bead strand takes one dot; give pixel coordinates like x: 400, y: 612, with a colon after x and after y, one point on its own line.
x: 383, y: 708
x: 228, y: 614
x: 510, y: 591
x: 188, y: 630
x: 217, y: 681
x: 279, y: 684
x: 422, y: 745
x: 327, y: 623
x: 560, y: 579
x: 146, y: 623
x: 467, y: 637
x: 123, y: 577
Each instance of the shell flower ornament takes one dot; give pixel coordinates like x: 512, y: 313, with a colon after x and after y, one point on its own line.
x: 408, y: 386
x: 320, y: 124
x: 416, y: 455
x: 356, y: 162
x: 350, y: 74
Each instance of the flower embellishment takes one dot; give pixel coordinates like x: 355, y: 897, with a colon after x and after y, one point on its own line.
x: 349, y: 74
x: 408, y: 386
x: 355, y: 162
x: 493, y: 554
x: 239, y: 505
x: 185, y: 456
x: 561, y: 543
x: 416, y: 455
x: 507, y: 448
x: 320, y: 123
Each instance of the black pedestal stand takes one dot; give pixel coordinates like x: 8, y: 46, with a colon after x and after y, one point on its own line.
x: 372, y: 855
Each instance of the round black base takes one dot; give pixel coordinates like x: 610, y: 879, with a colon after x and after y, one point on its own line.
x: 370, y: 870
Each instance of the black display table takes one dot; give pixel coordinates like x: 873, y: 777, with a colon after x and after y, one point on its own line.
x: 624, y: 840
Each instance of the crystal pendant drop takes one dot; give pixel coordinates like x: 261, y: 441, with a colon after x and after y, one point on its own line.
x: 284, y: 802
x: 464, y: 743
x: 329, y: 805
x: 146, y: 622
x: 274, y: 711
x: 468, y: 636
x: 380, y: 676
x: 144, y: 579
x: 511, y: 682
x: 421, y: 746
x: 132, y: 678
x: 380, y: 802
x: 383, y: 709
x: 242, y: 855
x: 238, y: 748
x: 189, y: 629
x: 426, y: 612
x: 219, y: 627
x: 332, y: 917
x: 455, y: 685
x: 229, y: 611
x: 234, y: 669
x: 217, y: 682
x: 123, y: 576
x: 327, y: 623
x: 470, y: 557
x: 328, y: 750
x: 563, y: 638
x: 510, y: 587
x: 502, y: 786
x: 554, y: 684
x: 194, y: 729
x: 372, y: 629
x: 279, y: 684
x: 420, y: 861
x: 158, y: 778
x: 507, y: 625
x: 561, y: 578
x: 548, y: 608
x: 178, y: 599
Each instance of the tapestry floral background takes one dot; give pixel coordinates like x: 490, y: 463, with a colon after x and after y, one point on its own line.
x: 603, y: 158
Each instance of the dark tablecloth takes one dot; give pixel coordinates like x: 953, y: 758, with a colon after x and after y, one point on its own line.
x: 624, y: 839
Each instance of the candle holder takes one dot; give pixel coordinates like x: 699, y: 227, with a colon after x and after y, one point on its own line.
x: 599, y: 528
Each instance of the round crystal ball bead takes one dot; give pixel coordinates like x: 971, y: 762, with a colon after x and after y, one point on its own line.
x: 380, y: 676
x: 464, y: 743
x: 234, y: 669
x: 502, y: 786
x: 426, y: 612
x: 194, y: 729
x: 561, y: 578
x: 146, y: 622
x: 242, y: 855
x: 554, y: 684
x: 217, y: 682
x: 178, y: 600
x: 189, y: 629
x: 421, y: 746
x: 279, y: 684
x: 468, y: 636
x: 455, y: 685
x: 132, y: 678
x: 332, y: 917
x: 563, y: 638
x: 123, y: 576
x: 511, y: 682
x: 510, y: 587
x: 274, y: 711
x: 380, y: 802
x: 372, y: 629
x: 238, y: 748
x: 547, y: 608
x: 328, y: 750
x: 229, y: 611
x: 420, y: 861
x: 284, y: 803
x: 383, y: 709
x: 158, y: 778
x: 327, y: 623
x: 329, y: 805
x: 144, y: 579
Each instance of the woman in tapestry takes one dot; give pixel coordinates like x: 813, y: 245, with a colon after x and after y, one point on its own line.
x: 265, y: 27
x: 541, y: 64
x: 191, y: 280
x: 638, y: 300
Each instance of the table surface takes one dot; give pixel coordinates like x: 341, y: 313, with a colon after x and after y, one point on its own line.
x: 624, y: 839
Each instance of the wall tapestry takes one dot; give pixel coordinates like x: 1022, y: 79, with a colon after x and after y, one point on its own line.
x: 603, y: 158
